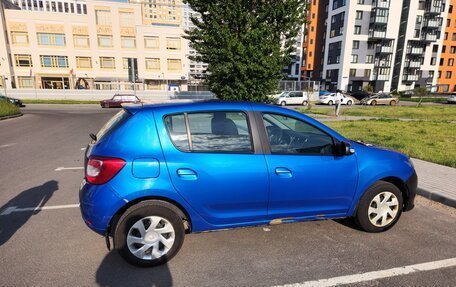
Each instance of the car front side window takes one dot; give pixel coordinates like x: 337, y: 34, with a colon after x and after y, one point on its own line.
x: 287, y: 135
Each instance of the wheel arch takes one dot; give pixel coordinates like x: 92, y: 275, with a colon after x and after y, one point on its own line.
x: 182, y: 212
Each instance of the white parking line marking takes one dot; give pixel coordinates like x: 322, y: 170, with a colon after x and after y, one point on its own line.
x: 12, y: 209
x: 69, y: 168
x: 83, y: 148
x: 7, y: 145
x: 369, y: 276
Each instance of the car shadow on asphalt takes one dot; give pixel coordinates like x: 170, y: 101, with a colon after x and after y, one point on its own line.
x: 348, y: 222
x: 114, y: 271
x: 11, y: 220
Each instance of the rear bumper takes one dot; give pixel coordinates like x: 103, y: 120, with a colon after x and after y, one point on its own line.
x: 98, y: 205
x: 411, y: 184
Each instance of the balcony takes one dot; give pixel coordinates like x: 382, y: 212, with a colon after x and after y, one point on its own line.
x: 376, y: 34
x: 410, y: 78
x: 413, y: 64
x: 428, y: 37
x: 433, y: 7
x: 380, y: 49
x: 415, y: 50
x: 378, y: 20
x: 381, y: 77
x: 381, y: 4
x: 432, y: 23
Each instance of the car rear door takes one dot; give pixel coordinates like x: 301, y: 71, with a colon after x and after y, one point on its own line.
x: 306, y: 178
x: 215, y: 161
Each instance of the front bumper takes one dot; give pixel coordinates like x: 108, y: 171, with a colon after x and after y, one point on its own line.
x: 411, y: 184
x: 98, y: 204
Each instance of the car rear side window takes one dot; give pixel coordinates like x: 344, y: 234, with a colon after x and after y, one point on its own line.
x: 211, y: 132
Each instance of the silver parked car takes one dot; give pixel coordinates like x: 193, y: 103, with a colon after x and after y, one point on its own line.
x: 451, y: 99
x: 292, y: 98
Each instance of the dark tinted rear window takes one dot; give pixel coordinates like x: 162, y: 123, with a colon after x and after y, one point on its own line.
x: 113, y: 124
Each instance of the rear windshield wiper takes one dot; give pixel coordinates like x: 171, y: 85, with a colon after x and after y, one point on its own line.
x: 93, y: 137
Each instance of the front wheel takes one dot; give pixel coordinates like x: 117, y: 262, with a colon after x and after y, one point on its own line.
x: 379, y: 208
x: 392, y: 103
x: 283, y: 103
x: 149, y: 233
x: 349, y: 103
x: 305, y: 103
x: 330, y: 103
x: 373, y: 103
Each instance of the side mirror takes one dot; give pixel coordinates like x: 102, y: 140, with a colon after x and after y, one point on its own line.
x: 343, y: 148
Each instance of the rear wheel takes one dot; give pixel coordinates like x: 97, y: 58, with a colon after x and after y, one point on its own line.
x: 305, y: 103
x: 149, y: 233
x: 349, y: 103
x: 330, y: 103
x: 283, y: 103
x: 373, y: 103
x: 392, y: 103
x: 379, y: 208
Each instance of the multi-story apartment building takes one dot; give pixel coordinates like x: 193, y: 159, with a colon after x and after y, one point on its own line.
x: 390, y: 45
x: 158, y: 12
x: 57, y: 6
x: 447, y: 68
x: 46, y: 49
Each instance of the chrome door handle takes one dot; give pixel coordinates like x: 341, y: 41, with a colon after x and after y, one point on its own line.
x: 187, y: 174
x: 283, y: 172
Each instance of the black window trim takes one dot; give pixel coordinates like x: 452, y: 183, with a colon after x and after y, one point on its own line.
x: 252, y: 132
x: 265, y: 138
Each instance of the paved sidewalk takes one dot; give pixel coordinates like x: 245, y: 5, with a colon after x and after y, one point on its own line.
x: 436, y: 182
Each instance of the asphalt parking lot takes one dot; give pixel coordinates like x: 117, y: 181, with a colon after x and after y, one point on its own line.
x: 41, y: 155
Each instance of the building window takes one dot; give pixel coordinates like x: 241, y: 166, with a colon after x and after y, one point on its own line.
x: 359, y: 15
x: 451, y: 62
x: 84, y: 62
x: 107, y: 63
x: 81, y: 41
x: 51, y: 39
x: 25, y: 82
x: 356, y: 45
x: 361, y: 2
x: 128, y: 42
x: 453, y: 50
x: 354, y: 58
x: 19, y: 38
x: 446, y: 88
x: 174, y: 65
x: 152, y: 64
x: 126, y: 19
x: 369, y: 59
x: 23, y: 60
x: 352, y: 72
x: 453, y: 37
x: 443, y: 48
x: 103, y: 17
x: 151, y: 42
x: 357, y: 30
x: 54, y: 61
x: 105, y: 41
x: 173, y: 44
x: 448, y: 75
x: 367, y: 73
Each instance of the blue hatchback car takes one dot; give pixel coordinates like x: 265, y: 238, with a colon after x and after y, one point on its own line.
x: 156, y: 172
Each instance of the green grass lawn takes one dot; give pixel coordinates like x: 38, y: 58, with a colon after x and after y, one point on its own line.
x: 425, y: 100
x: 60, y: 102
x: 8, y: 109
x: 430, y: 141
x: 432, y: 113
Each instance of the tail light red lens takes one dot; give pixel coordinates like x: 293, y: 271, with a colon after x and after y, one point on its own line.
x: 100, y: 170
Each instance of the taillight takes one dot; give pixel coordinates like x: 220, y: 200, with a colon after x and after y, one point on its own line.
x: 100, y: 170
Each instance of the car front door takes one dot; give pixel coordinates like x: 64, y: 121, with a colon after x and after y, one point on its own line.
x: 214, y: 164
x: 306, y: 178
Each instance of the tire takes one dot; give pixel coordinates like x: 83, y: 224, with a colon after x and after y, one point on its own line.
x: 304, y: 103
x: 390, y: 211
x: 330, y: 103
x: 127, y: 235
x: 349, y: 103
x: 373, y: 103
x: 392, y: 103
x: 283, y: 103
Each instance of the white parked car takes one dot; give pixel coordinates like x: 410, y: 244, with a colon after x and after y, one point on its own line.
x: 451, y: 99
x: 292, y: 98
x: 330, y: 99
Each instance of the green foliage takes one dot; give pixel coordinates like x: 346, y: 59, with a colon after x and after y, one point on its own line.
x: 368, y: 89
x: 246, y: 44
x: 8, y: 109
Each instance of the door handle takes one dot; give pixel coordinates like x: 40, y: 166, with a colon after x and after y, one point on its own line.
x: 187, y: 174
x: 283, y: 172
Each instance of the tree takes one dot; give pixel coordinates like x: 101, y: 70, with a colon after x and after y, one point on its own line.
x: 420, y: 92
x: 246, y: 44
x: 368, y: 89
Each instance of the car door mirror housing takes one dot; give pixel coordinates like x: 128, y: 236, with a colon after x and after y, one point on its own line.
x: 343, y: 148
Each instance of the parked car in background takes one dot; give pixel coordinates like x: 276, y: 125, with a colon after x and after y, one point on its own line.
x: 382, y: 99
x: 330, y: 99
x: 292, y: 98
x: 156, y: 172
x: 14, y: 101
x: 360, y: 95
x: 451, y: 99
x: 118, y: 100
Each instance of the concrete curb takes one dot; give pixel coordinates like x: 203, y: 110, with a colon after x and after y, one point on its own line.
x: 11, y: 117
x: 436, y: 197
